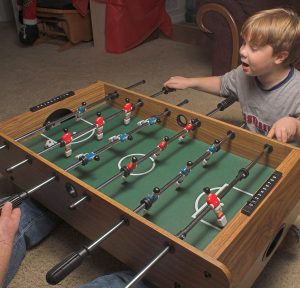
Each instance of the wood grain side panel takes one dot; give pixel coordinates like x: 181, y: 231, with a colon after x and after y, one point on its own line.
x: 28, y: 121
x: 246, y: 238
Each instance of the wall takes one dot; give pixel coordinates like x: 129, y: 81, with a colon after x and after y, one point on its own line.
x: 6, y: 11
x: 176, y: 10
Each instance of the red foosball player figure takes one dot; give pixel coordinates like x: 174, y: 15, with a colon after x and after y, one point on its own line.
x: 189, y: 127
x: 99, y: 126
x: 162, y: 146
x: 67, y: 140
x: 127, y: 108
x: 215, y: 204
x: 129, y: 167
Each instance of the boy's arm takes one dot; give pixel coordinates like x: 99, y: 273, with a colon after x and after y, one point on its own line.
x: 297, y: 135
x: 210, y: 85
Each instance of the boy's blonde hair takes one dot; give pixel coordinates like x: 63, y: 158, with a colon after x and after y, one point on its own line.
x: 279, y: 28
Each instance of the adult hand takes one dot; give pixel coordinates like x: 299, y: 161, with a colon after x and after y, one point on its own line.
x: 9, y: 223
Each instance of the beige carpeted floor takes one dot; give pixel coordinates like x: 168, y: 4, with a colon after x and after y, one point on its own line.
x: 30, y: 75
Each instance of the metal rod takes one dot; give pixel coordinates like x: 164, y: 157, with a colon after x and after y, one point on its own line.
x: 63, y: 265
x: 182, y: 234
x: 221, y: 106
x: 18, y: 198
x: 205, y: 209
x: 156, y: 94
x: 212, y: 112
x: 3, y: 146
x: 141, y: 274
x: 75, y: 204
x: 136, y: 84
x: 110, y: 180
x: 105, y: 236
x: 68, y: 116
x: 11, y: 168
x: 121, y: 173
x: 77, y: 136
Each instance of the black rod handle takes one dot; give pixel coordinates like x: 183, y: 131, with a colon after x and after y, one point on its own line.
x: 226, y: 103
x: 66, y: 266
x: 15, y: 200
x: 185, y: 101
x: 136, y: 84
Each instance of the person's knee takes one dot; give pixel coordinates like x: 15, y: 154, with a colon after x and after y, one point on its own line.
x: 36, y: 222
x: 116, y: 280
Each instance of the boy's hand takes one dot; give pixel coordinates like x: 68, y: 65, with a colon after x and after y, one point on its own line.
x: 9, y: 223
x: 285, y: 129
x: 177, y: 82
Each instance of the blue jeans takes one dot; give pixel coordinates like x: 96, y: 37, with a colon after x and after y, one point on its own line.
x: 35, y: 224
x: 116, y: 280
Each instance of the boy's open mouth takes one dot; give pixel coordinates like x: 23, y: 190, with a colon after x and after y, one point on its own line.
x: 245, y: 64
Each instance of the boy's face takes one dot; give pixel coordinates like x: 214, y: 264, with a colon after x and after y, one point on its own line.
x: 257, y: 60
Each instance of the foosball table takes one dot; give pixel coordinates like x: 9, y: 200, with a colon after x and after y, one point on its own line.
x: 136, y: 176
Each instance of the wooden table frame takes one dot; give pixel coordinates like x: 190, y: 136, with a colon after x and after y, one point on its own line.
x: 245, y: 239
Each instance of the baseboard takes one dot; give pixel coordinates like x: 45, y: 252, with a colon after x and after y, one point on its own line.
x: 189, y: 34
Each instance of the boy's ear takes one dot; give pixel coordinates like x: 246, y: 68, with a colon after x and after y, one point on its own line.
x: 281, y: 56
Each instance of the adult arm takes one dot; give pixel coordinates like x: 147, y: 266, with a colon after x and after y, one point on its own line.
x: 9, y: 223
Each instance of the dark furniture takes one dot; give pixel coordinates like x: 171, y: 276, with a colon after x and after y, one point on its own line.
x: 60, y: 18
x: 221, y: 20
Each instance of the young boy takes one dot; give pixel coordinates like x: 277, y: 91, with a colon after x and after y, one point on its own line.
x: 266, y: 83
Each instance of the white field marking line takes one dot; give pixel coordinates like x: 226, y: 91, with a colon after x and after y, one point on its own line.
x: 197, y: 209
x: 74, y: 133
x: 88, y: 122
x: 211, y: 225
x: 137, y: 154
x: 92, y: 132
x: 82, y: 140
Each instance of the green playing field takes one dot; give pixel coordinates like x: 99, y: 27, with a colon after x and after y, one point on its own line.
x: 176, y: 206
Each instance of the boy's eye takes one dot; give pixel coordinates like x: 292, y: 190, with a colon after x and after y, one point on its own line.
x: 254, y: 47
